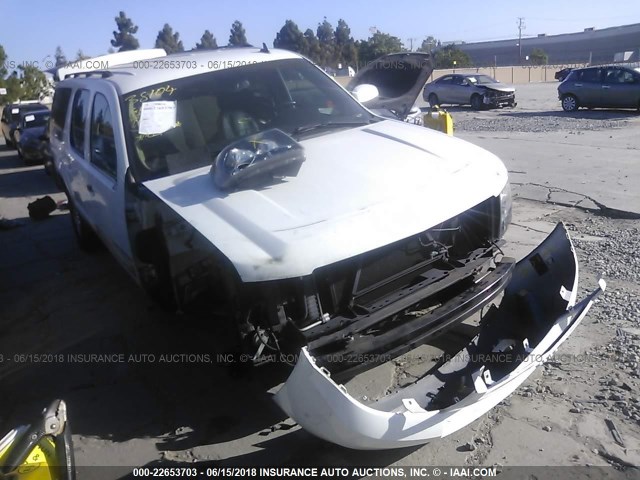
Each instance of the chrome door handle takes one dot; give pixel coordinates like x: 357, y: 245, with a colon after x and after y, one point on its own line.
x: 606, y: 86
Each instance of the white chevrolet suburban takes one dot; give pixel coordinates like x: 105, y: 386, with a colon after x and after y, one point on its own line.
x: 326, y: 229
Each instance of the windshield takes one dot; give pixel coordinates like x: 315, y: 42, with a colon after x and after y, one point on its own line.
x: 183, y: 124
x: 482, y: 79
x: 32, y: 120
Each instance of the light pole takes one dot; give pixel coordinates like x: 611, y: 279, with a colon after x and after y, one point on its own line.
x: 521, y: 26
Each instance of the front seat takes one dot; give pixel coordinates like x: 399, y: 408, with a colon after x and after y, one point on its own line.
x: 237, y: 123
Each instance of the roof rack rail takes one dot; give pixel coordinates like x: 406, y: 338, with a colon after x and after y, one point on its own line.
x: 91, y: 73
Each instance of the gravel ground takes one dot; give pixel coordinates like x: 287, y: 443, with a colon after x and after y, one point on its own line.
x: 538, y: 111
x: 609, y: 247
x: 515, y: 121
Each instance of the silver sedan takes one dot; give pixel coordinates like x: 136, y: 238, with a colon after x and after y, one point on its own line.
x: 479, y: 91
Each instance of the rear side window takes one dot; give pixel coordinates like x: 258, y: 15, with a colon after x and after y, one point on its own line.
x: 78, y: 120
x: 59, y: 107
x: 590, y: 75
x: 103, y: 146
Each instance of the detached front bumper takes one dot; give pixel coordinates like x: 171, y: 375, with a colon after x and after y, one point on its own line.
x: 537, y: 313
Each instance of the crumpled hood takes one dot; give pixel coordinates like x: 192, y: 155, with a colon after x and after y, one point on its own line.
x: 500, y: 87
x: 358, y: 189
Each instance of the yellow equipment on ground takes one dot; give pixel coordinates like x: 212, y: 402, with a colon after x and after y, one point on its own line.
x: 438, y: 119
x: 40, y: 451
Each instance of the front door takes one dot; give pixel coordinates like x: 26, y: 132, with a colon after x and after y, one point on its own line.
x: 103, y: 172
x: 619, y: 88
x: 588, y: 87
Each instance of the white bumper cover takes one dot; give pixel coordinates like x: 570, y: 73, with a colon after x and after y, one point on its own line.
x: 410, y: 417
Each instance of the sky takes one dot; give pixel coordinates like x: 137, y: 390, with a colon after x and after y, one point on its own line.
x: 31, y: 30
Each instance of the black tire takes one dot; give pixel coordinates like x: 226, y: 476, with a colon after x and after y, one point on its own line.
x: 476, y: 102
x: 569, y: 103
x: 433, y: 100
x: 86, y: 237
x: 8, y: 143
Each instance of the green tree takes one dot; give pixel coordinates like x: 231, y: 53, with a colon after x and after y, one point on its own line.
x: 207, y: 41
x: 346, y: 51
x: 377, y: 45
x: 428, y: 44
x: 538, y: 57
x: 33, y: 83
x: 3, y: 59
x: 80, y: 55
x: 238, y: 36
x: 3, y: 72
x: 60, y: 57
x: 444, y: 58
x: 290, y: 38
x: 168, y: 40
x: 327, y: 40
x: 14, y: 89
x: 12, y: 83
x: 312, y: 49
x: 124, y: 38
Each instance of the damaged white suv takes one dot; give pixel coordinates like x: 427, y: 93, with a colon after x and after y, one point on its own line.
x: 249, y: 179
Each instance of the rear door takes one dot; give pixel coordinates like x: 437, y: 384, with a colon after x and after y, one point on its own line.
x: 74, y: 154
x: 442, y: 88
x: 59, y: 115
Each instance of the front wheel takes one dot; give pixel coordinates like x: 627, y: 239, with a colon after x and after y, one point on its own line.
x: 476, y: 102
x: 569, y: 103
x: 433, y: 100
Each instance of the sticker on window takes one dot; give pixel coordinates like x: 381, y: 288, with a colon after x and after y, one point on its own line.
x: 157, y: 117
x: 15, y: 110
x: 29, y: 118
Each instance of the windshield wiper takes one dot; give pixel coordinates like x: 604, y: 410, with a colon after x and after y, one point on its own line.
x: 330, y: 125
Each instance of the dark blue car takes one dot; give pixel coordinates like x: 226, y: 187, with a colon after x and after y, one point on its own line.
x: 11, y: 116
x: 30, y: 133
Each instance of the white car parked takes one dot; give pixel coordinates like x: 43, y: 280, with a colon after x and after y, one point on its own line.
x: 249, y: 178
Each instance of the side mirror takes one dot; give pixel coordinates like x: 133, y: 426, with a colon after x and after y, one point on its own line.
x: 365, y: 92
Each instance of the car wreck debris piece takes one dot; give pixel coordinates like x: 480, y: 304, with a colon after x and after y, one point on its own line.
x: 614, y: 432
x: 41, y: 208
x: 430, y: 408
